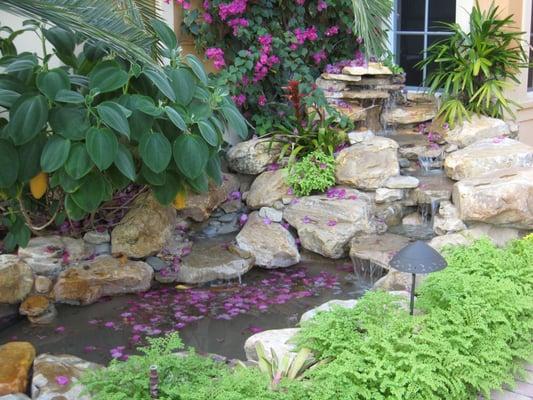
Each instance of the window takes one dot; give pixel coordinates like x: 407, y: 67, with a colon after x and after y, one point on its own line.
x: 416, y: 27
x: 530, y: 72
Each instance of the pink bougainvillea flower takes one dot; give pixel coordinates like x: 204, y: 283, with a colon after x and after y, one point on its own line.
x: 62, y: 380
x: 117, y: 352
x: 267, y: 221
x: 216, y: 54
x: 110, y: 324
x: 236, y: 7
x: 208, y: 18
x: 239, y: 99
x: 307, y: 220
x: 332, y: 223
x: 89, y: 349
x: 332, y: 31
x: 498, y: 139
x: 60, y: 329
x: 236, y: 195
x: 322, y: 5
x: 273, y: 167
x: 242, y: 219
x: 262, y: 100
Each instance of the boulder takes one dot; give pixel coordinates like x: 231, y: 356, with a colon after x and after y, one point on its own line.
x: 271, y: 214
x: 199, y: 206
x: 360, y: 136
x: 145, y: 229
x: 414, y: 219
x: 252, y: 156
x: 328, y: 306
x: 269, y: 187
x: 97, y: 237
x: 353, y: 112
x: 326, y: 223
x: 368, y: 165
x: 398, y: 281
x: 34, y: 305
x: 16, y: 279
x: 486, y: 156
x: 49, y: 255
x: 372, y: 68
x: 447, y: 219
x: 411, y: 113
x: 502, y: 198
x: 384, y: 195
x: 341, y: 77
x: 43, y: 284
x: 402, y: 182
x: 378, y: 249
x: 270, y: 243
x: 105, y: 276
x: 432, y: 187
x: 277, y: 340
x: 212, y: 259
x: 57, y: 377
x: 479, y: 127
x: 16, y: 358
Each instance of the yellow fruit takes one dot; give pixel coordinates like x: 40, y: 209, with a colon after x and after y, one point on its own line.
x: 180, y: 200
x: 39, y: 185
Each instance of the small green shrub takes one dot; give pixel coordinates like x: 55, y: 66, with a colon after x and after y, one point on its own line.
x: 473, y: 69
x: 316, y: 171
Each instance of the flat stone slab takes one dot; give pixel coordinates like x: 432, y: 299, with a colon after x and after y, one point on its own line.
x: 328, y: 306
x: 410, y: 114
x: 277, y: 340
x: 341, y: 77
x: 378, y: 249
x: 479, y: 127
x: 211, y: 259
x: 373, y: 68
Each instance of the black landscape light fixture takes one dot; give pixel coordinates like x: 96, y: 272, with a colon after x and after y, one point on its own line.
x: 417, y: 258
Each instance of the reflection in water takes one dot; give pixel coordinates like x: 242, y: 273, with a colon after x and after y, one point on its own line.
x: 215, y: 319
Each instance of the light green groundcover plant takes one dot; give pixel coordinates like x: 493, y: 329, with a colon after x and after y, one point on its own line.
x: 314, y: 172
x: 473, y: 330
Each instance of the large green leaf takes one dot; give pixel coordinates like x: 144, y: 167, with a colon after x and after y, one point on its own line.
x: 191, y: 154
x: 9, y: 164
x: 167, y: 192
x: 144, y: 104
x: 208, y: 132
x: 155, y: 151
x: 115, y: 116
x: 235, y: 121
x: 91, y: 193
x: 107, y: 76
x: 176, y: 118
x: 183, y: 83
x: 197, y: 67
x: 79, y: 163
x: 161, y: 82
x: 74, y: 212
x: 102, y: 146
x: 70, y: 122
x: 165, y: 34
x: 51, y: 82
x: 8, y: 97
x: 124, y: 162
x: 213, y: 169
x: 199, y: 184
x: 151, y: 177
x: 22, y: 127
x: 55, y: 153
x: 69, y: 96
x: 30, y: 158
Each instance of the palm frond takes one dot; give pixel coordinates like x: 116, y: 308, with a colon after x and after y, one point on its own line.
x: 371, y: 22
x: 121, y: 24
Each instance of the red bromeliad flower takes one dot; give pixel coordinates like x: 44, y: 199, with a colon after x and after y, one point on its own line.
x: 295, y: 98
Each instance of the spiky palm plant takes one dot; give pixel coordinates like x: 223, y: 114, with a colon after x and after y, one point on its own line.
x: 371, y: 23
x: 122, y: 24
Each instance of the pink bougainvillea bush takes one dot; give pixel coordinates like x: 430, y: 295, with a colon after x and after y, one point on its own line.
x: 259, y: 45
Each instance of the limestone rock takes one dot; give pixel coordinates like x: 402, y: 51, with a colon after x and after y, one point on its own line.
x: 48, y: 255
x: 378, y: 249
x: 252, y: 156
x: 278, y: 340
x: 413, y: 219
x: 328, y: 306
x: 15, y: 396
x: 48, y: 367
x: 269, y: 187
x: 341, y: 77
x: 329, y: 85
x: 145, y: 229
x: 105, y: 276
x: 486, y: 156
x: 43, y: 284
x: 373, y: 68
x: 447, y: 220
x: 411, y: 113
x: 271, y: 244
x: 271, y: 214
x: 432, y: 187
x: 211, y: 259
x: 17, y: 358
x: 384, y: 195
x: 325, y: 224
x: 364, y: 94
x: 360, y: 136
x: 351, y: 111
x: 501, y: 198
x: 199, y: 206
x: 402, y: 182
x: 369, y: 164
x: 16, y: 279
x: 398, y: 281
x: 480, y: 127
x: 34, y: 305
x: 96, y: 237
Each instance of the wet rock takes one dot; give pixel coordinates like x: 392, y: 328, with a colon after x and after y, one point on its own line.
x: 360, y: 136
x: 486, y: 156
x: 271, y: 214
x: 361, y: 94
x: 353, y: 112
x: 390, y: 214
x: 330, y: 85
x: 47, y: 368
x: 48, y: 255
x: 16, y: 279
x: 402, y: 182
x: 411, y: 113
x: 369, y: 164
x: 34, y: 305
x: 480, y: 127
x: 43, y: 284
x: 15, y: 396
x: 384, y: 195
x: 398, y: 281
x: 17, y: 358
x: 156, y: 263
x: 328, y: 306
x: 341, y: 77
x: 378, y: 249
x: 97, y: 237
x: 413, y: 219
x: 105, y: 276
x: 101, y: 249
x: 447, y: 220
x: 199, y: 206
x: 500, y: 198
x: 277, y: 340
x: 252, y: 156
x: 269, y: 187
x: 326, y: 225
x: 46, y: 318
x: 145, y: 229
x: 210, y: 260
x: 373, y: 68
x: 432, y: 188
x: 270, y: 243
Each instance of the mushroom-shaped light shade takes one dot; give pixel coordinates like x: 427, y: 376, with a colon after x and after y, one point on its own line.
x: 418, y: 258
